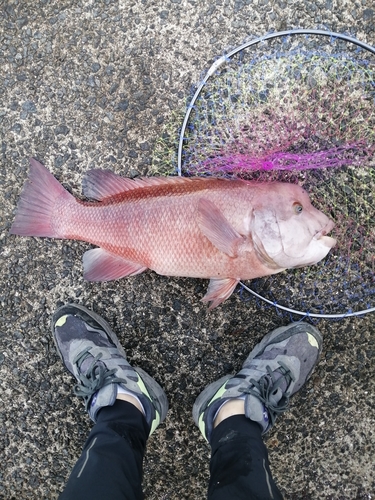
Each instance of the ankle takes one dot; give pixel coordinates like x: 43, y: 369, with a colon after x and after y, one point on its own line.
x: 130, y: 399
x: 230, y: 408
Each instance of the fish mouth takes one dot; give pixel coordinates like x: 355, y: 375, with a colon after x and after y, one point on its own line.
x: 328, y: 241
x: 321, y: 235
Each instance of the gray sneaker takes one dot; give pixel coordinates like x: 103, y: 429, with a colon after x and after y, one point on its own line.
x: 275, y: 370
x: 90, y: 350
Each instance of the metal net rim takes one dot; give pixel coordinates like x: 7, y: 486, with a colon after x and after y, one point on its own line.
x: 306, y: 314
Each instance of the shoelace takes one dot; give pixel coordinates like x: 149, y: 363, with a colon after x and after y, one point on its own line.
x: 95, y: 377
x: 268, y: 390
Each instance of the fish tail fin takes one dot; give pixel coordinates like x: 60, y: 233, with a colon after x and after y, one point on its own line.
x: 36, y: 204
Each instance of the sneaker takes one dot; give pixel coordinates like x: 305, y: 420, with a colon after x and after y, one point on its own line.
x: 275, y: 370
x: 91, y: 351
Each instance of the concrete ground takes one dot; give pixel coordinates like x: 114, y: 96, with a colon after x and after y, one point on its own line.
x: 91, y: 83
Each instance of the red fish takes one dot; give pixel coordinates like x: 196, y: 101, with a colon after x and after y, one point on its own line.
x: 223, y: 230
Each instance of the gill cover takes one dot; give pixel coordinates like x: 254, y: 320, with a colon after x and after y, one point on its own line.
x: 264, y: 222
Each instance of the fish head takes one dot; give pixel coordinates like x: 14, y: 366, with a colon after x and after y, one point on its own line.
x: 287, y: 230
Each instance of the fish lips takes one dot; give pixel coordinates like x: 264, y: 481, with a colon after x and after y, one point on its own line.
x: 321, y: 235
x: 324, y: 241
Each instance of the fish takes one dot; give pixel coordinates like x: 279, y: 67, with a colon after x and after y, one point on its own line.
x: 224, y: 230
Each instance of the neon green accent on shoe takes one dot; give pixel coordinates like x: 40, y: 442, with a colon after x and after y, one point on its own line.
x: 61, y: 321
x: 143, y: 387
x: 144, y: 390
x: 312, y: 340
x: 155, y: 423
x: 217, y: 395
x: 202, y: 426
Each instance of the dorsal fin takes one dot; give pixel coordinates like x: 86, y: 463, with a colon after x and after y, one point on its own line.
x: 100, y: 184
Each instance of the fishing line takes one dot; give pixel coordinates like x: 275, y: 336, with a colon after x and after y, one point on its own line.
x: 297, y: 106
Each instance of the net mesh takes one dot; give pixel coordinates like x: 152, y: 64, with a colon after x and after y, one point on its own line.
x: 296, y: 109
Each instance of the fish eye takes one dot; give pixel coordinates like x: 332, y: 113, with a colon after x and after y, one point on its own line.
x: 297, y: 207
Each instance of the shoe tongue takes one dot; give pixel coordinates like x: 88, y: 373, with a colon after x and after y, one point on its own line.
x: 282, y: 386
x: 276, y: 375
x: 87, y: 364
x: 255, y: 411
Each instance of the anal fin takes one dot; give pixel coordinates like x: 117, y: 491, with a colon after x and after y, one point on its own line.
x: 219, y: 289
x: 100, y: 265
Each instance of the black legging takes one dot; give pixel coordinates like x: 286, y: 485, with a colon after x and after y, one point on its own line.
x: 110, y: 466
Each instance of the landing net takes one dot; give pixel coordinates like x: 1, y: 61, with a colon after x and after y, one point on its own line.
x: 297, y: 106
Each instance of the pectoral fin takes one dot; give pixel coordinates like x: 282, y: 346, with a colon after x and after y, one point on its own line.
x: 219, y: 290
x: 100, y: 265
x: 217, y: 229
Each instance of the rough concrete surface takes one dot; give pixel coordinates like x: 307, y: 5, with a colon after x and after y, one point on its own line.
x: 90, y: 84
